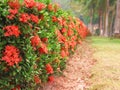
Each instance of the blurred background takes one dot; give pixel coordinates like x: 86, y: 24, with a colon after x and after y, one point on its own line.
x: 101, y: 16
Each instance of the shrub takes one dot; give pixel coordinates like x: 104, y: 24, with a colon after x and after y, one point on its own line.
x: 35, y: 40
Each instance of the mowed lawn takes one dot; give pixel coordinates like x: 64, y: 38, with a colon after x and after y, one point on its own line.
x: 106, y: 71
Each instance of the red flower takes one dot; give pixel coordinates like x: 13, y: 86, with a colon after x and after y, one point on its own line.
x: 54, y: 19
x: 72, y: 44
x: 63, y: 30
x: 40, y: 6
x: 70, y: 32
x: 60, y: 37
x: 29, y: 3
x: 50, y: 7
x: 34, y: 18
x: 11, y: 30
x: 49, y: 69
x: 24, y: 17
x: 44, y: 40
x: 35, y: 41
x: 43, y: 49
x: 50, y: 79
x: 16, y: 88
x: 11, y: 55
x: 11, y: 16
x: 13, y: 11
x: 63, y: 53
x: 62, y: 21
x: 14, y: 4
x: 37, y: 79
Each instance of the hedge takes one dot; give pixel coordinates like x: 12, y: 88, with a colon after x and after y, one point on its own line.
x: 35, y: 40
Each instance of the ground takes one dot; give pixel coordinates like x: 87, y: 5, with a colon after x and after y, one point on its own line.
x: 94, y: 66
x: 77, y: 72
x: 106, y: 72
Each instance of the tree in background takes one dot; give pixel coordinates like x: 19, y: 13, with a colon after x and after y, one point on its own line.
x: 117, y: 19
x: 103, y: 11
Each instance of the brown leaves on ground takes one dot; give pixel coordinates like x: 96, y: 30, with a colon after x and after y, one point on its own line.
x: 77, y: 72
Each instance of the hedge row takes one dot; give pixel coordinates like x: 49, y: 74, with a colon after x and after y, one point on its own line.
x: 35, y: 40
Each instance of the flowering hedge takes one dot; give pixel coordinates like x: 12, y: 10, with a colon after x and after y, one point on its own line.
x: 35, y: 40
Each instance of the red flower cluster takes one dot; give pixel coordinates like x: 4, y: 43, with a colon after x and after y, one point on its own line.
x: 50, y: 7
x: 11, y: 55
x: 70, y: 32
x: 35, y: 41
x: 17, y: 88
x: 11, y: 30
x: 13, y: 11
x: 37, y: 79
x: 29, y: 3
x: 43, y: 49
x: 63, y: 53
x: 24, y: 17
x: 63, y: 30
x: 60, y: 37
x: 14, y: 4
x: 44, y: 40
x: 54, y: 19
x: 40, y: 6
x: 49, y: 69
x: 50, y: 79
x: 34, y: 18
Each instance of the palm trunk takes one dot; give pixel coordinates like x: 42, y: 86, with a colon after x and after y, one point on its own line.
x: 117, y: 19
x: 111, y: 23
x: 101, y: 23
x: 91, y: 21
x: 106, y: 19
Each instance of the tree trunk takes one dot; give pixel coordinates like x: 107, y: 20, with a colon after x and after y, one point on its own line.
x: 91, y: 21
x: 111, y: 25
x: 117, y: 19
x: 101, y: 23
x: 106, y: 18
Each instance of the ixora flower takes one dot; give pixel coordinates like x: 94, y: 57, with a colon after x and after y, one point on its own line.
x: 50, y: 78
x: 44, y: 40
x: 13, y: 11
x: 14, y: 4
x: 63, y: 30
x: 35, y: 41
x: 16, y: 88
x: 34, y: 18
x: 40, y: 6
x: 70, y: 32
x: 11, y: 30
x: 54, y: 19
x: 37, y: 79
x: 11, y: 55
x: 63, y: 53
x: 29, y: 3
x: 43, y: 49
x: 11, y: 17
x: 60, y: 37
x: 50, y: 7
x: 24, y: 17
x: 49, y: 69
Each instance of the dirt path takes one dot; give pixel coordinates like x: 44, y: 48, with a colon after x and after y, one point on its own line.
x: 77, y: 72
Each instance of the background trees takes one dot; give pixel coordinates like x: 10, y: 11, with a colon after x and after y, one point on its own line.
x: 104, y: 13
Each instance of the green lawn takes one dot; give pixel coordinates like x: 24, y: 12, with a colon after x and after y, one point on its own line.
x: 106, y: 72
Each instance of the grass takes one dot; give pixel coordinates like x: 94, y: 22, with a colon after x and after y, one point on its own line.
x: 106, y: 72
